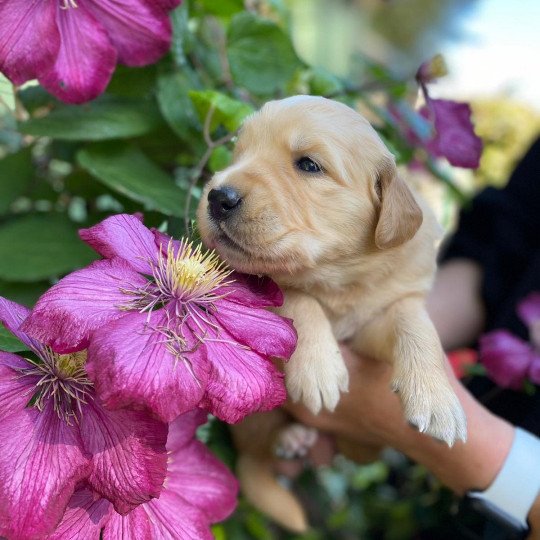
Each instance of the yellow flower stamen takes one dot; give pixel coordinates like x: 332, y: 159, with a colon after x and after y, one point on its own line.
x: 71, y: 365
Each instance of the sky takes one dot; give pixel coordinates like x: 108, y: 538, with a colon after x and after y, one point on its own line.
x: 498, y: 53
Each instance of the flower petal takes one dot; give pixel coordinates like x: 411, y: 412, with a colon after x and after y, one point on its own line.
x: 129, y: 457
x: 86, y: 58
x: 529, y: 308
x: 132, y: 365
x: 66, y: 315
x: 202, y: 481
x: 252, y: 291
x: 126, y: 237
x: 506, y: 358
x: 241, y: 381
x: 85, y: 516
x: 455, y: 138
x: 29, y: 40
x: 182, y: 430
x: 15, y: 391
x: 261, y: 330
x: 140, y: 33
x: 41, y: 461
x: 12, y: 316
x: 534, y: 369
x: 167, y: 518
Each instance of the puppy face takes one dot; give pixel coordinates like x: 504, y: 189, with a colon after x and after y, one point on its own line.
x: 306, y: 187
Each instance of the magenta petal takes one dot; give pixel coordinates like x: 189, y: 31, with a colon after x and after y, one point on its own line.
x: 123, y: 236
x: 12, y: 316
x: 167, y: 518
x: 534, y: 369
x: 29, y: 40
x: 41, y: 462
x: 202, y: 481
x: 507, y: 358
x: 252, y: 291
x: 129, y: 457
x: 529, y: 308
x: 183, y: 429
x: 133, y: 526
x: 86, y: 59
x: 140, y: 33
x: 263, y: 331
x: 84, y: 517
x: 131, y: 365
x: 66, y: 315
x: 15, y: 391
x: 241, y: 382
x: 455, y: 138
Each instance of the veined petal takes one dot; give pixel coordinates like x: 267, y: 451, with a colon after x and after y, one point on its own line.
x: 12, y: 316
x: 261, y: 330
x: 202, y: 481
x: 41, y: 462
x: 124, y: 236
x: 252, y: 291
x: 66, y: 315
x: 241, y: 381
x: 140, y: 33
x: 165, y: 4
x: 29, y: 41
x: 131, y: 364
x: 182, y: 430
x: 167, y: 518
x: 128, y: 455
x: 86, y: 58
x: 84, y: 517
x: 15, y: 391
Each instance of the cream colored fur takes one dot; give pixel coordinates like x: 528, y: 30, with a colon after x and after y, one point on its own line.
x: 353, y: 248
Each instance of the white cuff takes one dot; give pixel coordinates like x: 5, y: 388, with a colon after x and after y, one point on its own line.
x: 517, y: 485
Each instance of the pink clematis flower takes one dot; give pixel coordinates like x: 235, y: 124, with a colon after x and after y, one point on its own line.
x: 453, y: 135
x: 169, y: 328
x: 199, y: 490
x: 72, y: 46
x: 55, y: 433
x: 510, y: 360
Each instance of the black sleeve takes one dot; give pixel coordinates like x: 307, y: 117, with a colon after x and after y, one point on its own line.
x: 500, y: 230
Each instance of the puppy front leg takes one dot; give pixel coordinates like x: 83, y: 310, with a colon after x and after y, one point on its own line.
x: 405, y: 335
x: 316, y: 373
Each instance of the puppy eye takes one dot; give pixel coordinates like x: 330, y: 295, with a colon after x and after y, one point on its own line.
x: 308, y: 165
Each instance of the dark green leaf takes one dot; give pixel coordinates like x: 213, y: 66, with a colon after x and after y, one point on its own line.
x: 108, y: 118
x: 16, y: 173
x: 227, y: 111
x: 133, y: 82
x: 40, y: 246
x: 128, y: 171
x: 174, y: 101
x: 9, y: 343
x: 261, y: 55
x: 223, y: 8
x: 23, y: 293
x: 220, y: 159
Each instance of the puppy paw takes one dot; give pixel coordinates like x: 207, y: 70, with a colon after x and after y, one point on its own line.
x: 318, y: 383
x: 434, y: 410
x: 295, y: 441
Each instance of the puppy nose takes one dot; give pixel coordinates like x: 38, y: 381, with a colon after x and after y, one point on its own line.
x: 223, y: 201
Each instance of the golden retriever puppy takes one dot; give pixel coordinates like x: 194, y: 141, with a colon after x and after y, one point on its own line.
x: 313, y: 200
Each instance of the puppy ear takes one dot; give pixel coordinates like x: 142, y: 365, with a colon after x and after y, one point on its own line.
x: 399, y: 216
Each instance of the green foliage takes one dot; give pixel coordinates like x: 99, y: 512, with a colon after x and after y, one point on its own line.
x: 156, y: 135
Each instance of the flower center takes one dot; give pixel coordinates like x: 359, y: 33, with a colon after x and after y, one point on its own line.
x: 66, y: 4
x: 62, y: 379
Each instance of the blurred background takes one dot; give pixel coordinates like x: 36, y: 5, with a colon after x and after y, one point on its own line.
x: 139, y: 148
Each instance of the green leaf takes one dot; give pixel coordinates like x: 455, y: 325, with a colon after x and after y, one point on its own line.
x: 228, y: 112
x: 40, y: 246
x: 108, y: 118
x: 16, y: 173
x: 220, y: 159
x: 174, y: 101
x: 128, y: 171
x: 23, y: 293
x: 223, y: 8
x: 9, y: 343
x: 261, y: 56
